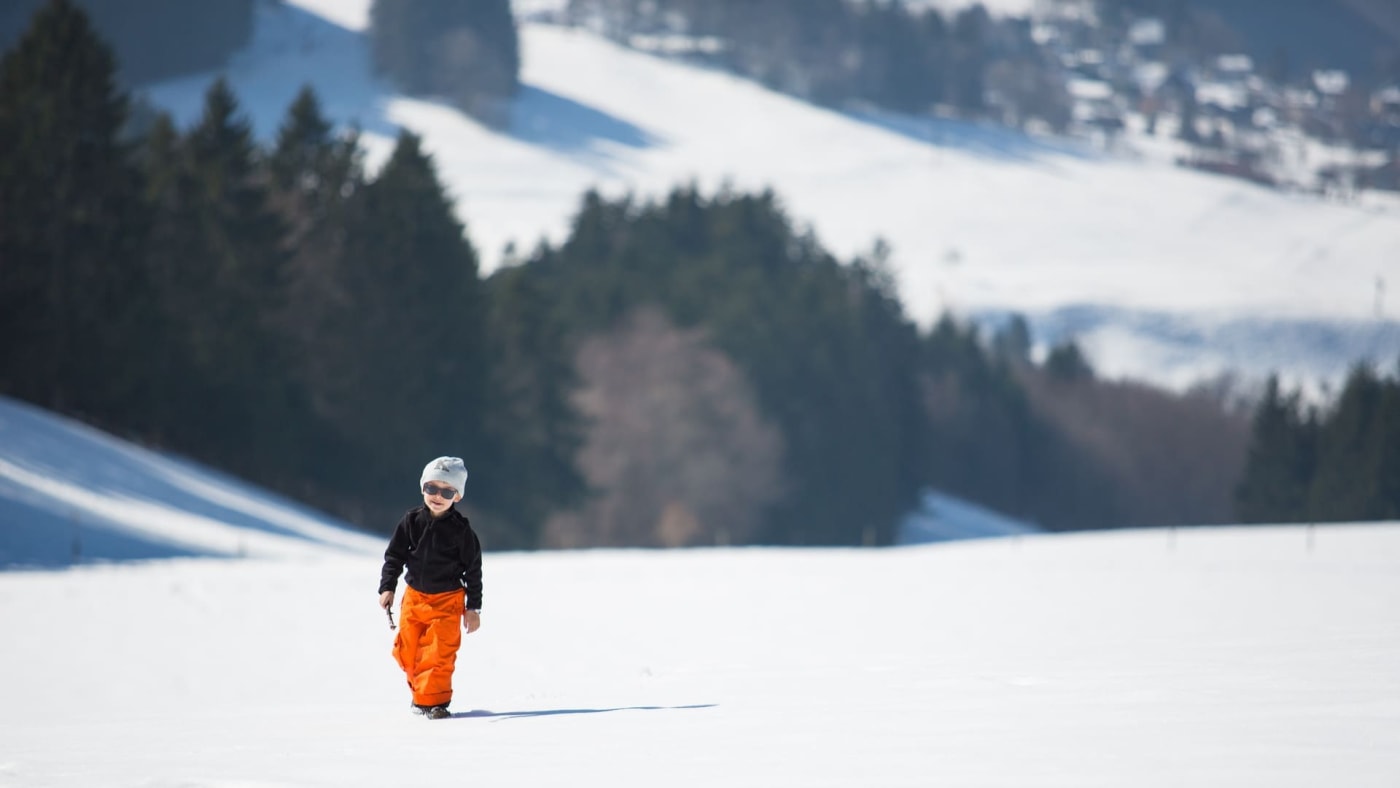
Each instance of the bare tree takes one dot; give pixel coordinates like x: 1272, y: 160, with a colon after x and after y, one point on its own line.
x: 1175, y: 457
x: 677, y: 452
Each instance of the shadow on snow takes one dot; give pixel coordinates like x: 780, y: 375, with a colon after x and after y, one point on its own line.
x: 540, y: 117
x: 514, y: 715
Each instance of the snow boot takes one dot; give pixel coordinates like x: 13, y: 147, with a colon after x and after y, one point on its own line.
x: 437, y: 713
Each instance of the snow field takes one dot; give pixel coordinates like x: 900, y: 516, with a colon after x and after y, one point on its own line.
x: 1150, y: 658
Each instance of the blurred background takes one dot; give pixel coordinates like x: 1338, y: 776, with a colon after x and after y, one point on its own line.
x: 699, y: 272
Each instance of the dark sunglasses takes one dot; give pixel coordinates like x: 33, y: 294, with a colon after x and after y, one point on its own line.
x: 446, y: 492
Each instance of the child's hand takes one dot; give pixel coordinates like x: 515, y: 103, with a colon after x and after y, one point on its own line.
x: 386, y: 599
x: 471, y: 620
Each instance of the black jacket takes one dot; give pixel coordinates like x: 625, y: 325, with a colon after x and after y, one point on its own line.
x: 441, y: 554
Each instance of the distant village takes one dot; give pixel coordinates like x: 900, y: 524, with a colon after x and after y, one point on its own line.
x: 1223, y: 114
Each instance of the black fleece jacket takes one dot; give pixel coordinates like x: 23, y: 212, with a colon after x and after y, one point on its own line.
x: 441, y: 554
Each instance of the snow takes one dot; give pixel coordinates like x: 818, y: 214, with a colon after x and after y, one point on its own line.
x: 1204, y: 657
x: 981, y: 220
x: 1214, y: 657
x: 941, y: 517
x: 70, y: 492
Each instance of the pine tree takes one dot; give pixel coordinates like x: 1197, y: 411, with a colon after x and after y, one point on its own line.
x: 532, y: 432
x: 224, y: 261
x: 315, y: 178
x: 1357, y: 474
x: 410, y: 363
x: 316, y: 174
x: 1281, y: 460
x: 70, y: 223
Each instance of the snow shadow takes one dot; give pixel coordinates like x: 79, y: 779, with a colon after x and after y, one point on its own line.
x: 71, y: 494
x: 105, y: 467
x: 38, y: 536
x: 980, y: 139
x: 539, y: 117
x: 515, y: 715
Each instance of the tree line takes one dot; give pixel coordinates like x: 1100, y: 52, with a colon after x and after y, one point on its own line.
x: 1310, y: 463
x: 690, y: 369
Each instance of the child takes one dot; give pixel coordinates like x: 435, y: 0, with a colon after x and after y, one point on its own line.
x: 442, y: 553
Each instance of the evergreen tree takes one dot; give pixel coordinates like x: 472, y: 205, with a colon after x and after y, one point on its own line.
x: 1357, y: 473
x: 1067, y: 363
x: 1281, y: 460
x: 532, y: 433
x: 316, y: 175
x: 173, y: 244
x: 410, y: 363
x: 225, y: 277
x: 71, y: 292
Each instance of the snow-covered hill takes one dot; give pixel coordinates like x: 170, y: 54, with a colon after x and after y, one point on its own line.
x: 71, y: 494
x: 1163, y: 274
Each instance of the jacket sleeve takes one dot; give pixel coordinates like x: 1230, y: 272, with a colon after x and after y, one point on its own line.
x: 471, y: 576
x: 395, y: 556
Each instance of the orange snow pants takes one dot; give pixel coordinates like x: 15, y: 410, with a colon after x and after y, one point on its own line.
x: 430, y: 630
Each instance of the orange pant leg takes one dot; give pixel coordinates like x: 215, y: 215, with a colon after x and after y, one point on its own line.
x: 430, y: 632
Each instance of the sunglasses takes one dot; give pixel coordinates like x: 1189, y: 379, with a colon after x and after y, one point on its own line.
x: 447, y: 493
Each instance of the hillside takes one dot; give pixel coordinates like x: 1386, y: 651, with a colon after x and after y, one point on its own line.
x: 72, y: 494
x: 1163, y: 274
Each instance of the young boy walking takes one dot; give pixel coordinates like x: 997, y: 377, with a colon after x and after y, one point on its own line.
x: 442, y: 554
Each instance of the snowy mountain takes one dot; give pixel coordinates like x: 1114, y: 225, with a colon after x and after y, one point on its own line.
x: 1160, y: 273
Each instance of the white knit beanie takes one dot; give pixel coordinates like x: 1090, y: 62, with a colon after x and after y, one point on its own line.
x: 448, y: 470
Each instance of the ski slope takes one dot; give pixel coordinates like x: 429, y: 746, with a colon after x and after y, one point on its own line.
x: 1162, y: 274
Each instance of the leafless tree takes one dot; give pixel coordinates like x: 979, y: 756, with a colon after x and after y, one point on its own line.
x: 677, y: 451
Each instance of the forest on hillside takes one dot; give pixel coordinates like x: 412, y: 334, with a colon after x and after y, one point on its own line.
x: 683, y: 371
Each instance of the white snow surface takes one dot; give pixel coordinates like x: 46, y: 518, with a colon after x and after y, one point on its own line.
x: 1204, y: 657
x: 1224, y: 657
x: 1161, y: 273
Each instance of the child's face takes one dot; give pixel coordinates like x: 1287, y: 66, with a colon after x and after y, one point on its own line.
x: 441, y: 498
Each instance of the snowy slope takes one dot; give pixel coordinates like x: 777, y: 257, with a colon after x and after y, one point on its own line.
x: 72, y: 494
x: 941, y: 517
x: 1164, y: 274
x: 1224, y: 657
